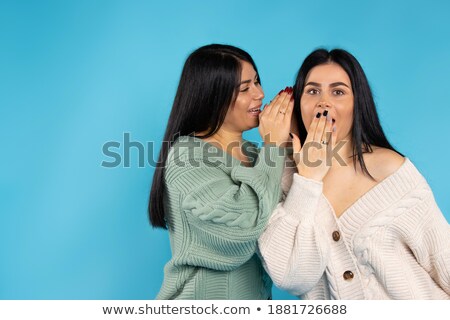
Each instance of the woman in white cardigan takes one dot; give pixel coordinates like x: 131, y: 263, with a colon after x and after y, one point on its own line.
x: 359, y: 221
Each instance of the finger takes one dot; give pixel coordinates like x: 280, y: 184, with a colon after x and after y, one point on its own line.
x: 282, y: 102
x: 328, y: 128
x: 332, y: 143
x: 274, y: 102
x: 277, y: 111
x: 289, y: 109
x: 320, y: 128
x: 333, y: 136
x: 264, y: 110
x: 312, y: 127
x: 296, y: 143
x: 284, y: 105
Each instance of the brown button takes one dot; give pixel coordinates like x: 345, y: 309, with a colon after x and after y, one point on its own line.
x: 336, y: 235
x: 348, y: 275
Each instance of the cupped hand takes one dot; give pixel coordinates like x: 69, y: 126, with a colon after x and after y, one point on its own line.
x: 275, y: 119
x: 313, y: 158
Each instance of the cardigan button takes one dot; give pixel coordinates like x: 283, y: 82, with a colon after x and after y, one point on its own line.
x: 336, y: 235
x: 348, y: 275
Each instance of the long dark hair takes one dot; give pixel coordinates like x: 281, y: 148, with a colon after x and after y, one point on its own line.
x: 209, y: 84
x: 366, y: 130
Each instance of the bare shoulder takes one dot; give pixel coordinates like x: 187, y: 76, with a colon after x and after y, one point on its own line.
x: 382, y: 162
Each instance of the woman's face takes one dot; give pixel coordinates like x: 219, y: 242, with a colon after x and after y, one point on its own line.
x: 243, y: 114
x: 328, y: 87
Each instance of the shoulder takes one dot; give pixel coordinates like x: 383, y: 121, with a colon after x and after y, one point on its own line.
x: 187, y: 148
x: 191, y: 160
x: 186, y: 145
x: 382, y: 162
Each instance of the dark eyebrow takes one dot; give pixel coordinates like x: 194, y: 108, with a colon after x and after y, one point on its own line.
x: 337, y: 84
x: 313, y: 84
x: 334, y: 84
x: 247, y: 81
x: 244, y: 82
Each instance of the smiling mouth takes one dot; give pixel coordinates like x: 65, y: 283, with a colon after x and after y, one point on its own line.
x: 254, y: 111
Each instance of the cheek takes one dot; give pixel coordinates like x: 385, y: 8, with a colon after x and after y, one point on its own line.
x: 237, y: 107
x: 345, y: 124
x: 348, y: 116
x: 242, y: 104
x: 307, y: 114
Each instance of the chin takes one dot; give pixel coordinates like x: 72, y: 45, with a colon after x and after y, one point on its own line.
x: 253, y: 123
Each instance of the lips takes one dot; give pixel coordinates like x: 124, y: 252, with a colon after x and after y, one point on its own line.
x: 255, y: 111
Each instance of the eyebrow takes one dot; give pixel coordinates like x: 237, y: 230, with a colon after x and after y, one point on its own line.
x: 334, y: 84
x: 247, y: 81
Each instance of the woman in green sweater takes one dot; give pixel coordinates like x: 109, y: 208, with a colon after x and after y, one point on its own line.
x: 212, y: 190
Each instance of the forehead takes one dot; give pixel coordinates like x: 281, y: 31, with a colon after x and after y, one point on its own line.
x: 328, y: 73
x: 247, y: 72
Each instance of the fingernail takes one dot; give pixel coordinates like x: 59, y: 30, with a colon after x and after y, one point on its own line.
x: 290, y: 134
x: 325, y: 113
x: 318, y: 115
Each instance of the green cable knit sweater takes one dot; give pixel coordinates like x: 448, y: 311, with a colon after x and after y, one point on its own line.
x: 216, y: 209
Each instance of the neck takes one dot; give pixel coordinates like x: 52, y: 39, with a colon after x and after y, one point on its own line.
x: 344, y: 155
x: 231, y: 143
x: 225, y: 138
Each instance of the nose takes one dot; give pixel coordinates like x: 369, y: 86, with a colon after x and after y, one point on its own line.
x: 323, y: 105
x: 258, y: 93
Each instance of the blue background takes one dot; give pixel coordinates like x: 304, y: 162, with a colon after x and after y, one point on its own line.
x: 77, y: 74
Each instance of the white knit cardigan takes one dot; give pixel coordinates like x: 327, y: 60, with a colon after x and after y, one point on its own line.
x: 392, y: 243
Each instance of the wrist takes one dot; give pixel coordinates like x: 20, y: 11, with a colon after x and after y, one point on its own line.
x: 309, y: 175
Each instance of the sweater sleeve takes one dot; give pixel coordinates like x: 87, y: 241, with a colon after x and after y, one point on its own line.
x: 226, y: 211
x: 293, y: 248
x: 429, y: 240
x: 288, y: 176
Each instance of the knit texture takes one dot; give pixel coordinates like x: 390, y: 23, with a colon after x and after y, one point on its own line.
x: 216, y: 209
x: 394, y: 240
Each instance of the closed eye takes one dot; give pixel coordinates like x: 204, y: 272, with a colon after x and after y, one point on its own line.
x: 256, y: 83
